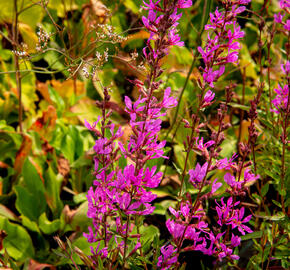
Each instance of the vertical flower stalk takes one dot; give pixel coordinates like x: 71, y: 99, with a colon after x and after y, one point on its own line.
x: 188, y: 223
x: 121, y: 195
x: 221, y: 48
x: 222, y: 44
x: 282, y: 100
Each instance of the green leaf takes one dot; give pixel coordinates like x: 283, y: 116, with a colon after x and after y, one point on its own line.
x: 48, y: 227
x: 182, y: 54
x: 57, y: 100
x: 68, y: 147
x: 53, y: 184
x: 29, y: 96
x: 18, y: 242
x: 264, y: 189
x: 31, y: 225
x: 228, y: 147
x: 30, y: 200
x: 84, y: 246
x: 277, y: 203
x: 80, y: 198
x: 253, y: 235
x: 80, y: 219
x: 239, y: 106
x: 74, y: 132
x: 83, y: 161
x: 6, y: 212
x: 131, y: 4
x: 26, y: 203
x: 53, y: 59
x: 147, y: 236
x: 32, y: 179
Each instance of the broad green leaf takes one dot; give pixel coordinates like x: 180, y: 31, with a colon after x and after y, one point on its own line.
x: 86, y: 109
x: 247, y: 62
x: 18, y: 242
x: 147, y: 236
x: 228, y: 147
x: 27, y: 203
x: 68, y: 147
x: 30, y: 200
x: 53, y: 58
x: 32, y: 179
x: 80, y: 198
x: 80, y: 219
x: 46, y: 226
x: 53, y: 183
x: 106, y: 76
x: 31, y: 225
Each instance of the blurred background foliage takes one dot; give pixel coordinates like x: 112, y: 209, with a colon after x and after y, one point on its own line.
x: 60, y: 54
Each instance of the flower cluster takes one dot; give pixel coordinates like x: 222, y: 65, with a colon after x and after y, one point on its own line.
x: 161, y: 22
x: 281, y: 101
x: 121, y: 195
x: 188, y: 222
x: 222, y: 44
x: 281, y: 18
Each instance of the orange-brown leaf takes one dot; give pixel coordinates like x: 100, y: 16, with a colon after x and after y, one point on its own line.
x: 22, y: 153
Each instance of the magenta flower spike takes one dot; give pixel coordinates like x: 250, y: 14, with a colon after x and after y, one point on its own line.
x: 122, y: 195
x: 217, y: 53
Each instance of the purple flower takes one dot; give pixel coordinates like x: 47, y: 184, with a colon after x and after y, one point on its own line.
x: 231, y: 181
x: 286, y: 68
x: 217, y: 52
x: 215, y: 186
x: 201, y: 146
x: 168, y: 102
x: 227, y: 252
x: 211, y: 76
x: 250, y: 177
x: 226, y: 163
x: 238, y: 221
x: 184, y: 3
x: 284, y: 4
x: 103, y: 252
x: 281, y: 100
x: 153, y: 5
x: 224, y: 211
x: 235, y: 240
x: 278, y: 17
x: 197, y: 175
x: 174, y: 38
x: 91, y: 127
x: 175, y: 229
x: 287, y: 25
x: 209, y: 96
x: 168, y: 257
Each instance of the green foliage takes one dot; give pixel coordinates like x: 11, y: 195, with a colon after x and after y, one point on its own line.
x: 18, y: 242
x: 46, y: 169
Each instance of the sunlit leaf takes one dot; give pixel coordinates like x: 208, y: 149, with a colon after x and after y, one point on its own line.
x: 18, y: 242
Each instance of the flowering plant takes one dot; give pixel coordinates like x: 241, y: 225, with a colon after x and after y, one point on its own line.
x: 184, y: 161
x: 123, y: 196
